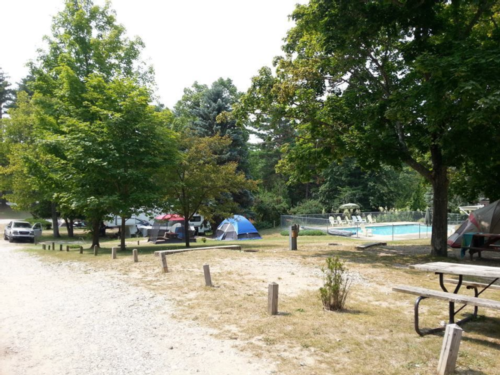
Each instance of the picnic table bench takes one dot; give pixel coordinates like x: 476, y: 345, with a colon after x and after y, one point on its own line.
x: 440, y: 268
x: 479, y: 242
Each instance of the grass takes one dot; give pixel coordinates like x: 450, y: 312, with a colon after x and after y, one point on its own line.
x: 373, y: 336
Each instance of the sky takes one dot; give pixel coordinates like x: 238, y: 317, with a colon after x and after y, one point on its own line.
x: 186, y: 40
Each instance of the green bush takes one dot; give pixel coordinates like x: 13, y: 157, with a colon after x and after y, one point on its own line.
x: 307, y: 232
x: 336, y: 284
x: 46, y: 225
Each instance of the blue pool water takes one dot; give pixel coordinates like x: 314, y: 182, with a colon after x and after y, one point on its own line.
x: 387, y: 230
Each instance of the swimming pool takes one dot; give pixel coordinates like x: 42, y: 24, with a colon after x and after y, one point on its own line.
x: 396, y: 229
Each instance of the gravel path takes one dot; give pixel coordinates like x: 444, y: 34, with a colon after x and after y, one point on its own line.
x: 63, y: 318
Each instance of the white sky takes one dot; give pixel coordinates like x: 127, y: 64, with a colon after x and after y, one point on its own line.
x: 186, y: 40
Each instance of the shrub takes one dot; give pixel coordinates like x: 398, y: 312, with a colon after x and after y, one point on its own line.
x: 337, y: 284
x: 306, y: 232
x: 45, y: 224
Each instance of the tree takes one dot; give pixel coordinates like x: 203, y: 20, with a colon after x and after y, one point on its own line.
x: 200, y: 184
x: 6, y: 94
x: 203, y: 111
x: 93, y: 118
x: 388, y: 82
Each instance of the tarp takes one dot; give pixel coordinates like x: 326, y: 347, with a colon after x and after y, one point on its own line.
x: 237, y: 228
x: 170, y: 217
x: 483, y: 220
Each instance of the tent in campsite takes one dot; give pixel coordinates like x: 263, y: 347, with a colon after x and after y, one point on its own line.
x: 237, y: 228
x: 484, y: 220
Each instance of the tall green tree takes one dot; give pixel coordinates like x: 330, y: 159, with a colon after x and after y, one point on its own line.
x: 388, y: 82
x: 200, y: 183
x: 93, y: 118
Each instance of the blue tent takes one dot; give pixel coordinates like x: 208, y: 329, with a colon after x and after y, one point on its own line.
x: 237, y: 228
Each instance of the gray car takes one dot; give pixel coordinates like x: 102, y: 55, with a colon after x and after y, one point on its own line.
x: 21, y: 230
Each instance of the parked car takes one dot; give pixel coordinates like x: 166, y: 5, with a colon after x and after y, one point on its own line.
x: 21, y: 230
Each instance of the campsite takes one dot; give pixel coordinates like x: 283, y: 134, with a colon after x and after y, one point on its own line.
x: 269, y: 187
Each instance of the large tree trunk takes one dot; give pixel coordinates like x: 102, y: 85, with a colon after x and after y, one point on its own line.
x: 55, y: 224
x: 96, y: 226
x: 122, y: 233
x: 440, y: 212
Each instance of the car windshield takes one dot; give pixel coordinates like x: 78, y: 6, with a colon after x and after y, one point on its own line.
x: 21, y: 225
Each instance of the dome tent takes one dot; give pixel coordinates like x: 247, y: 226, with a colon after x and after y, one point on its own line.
x: 483, y: 220
x: 237, y: 228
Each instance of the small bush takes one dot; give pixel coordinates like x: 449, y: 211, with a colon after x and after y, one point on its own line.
x: 337, y: 284
x: 306, y: 232
x: 45, y: 224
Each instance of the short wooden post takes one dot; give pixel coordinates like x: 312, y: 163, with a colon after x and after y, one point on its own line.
x: 96, y: 250
x: 44, y: 247
x: 449, y: 350
x: 272, y: 299
x: 60, y: 247
x: 81, y: 249
x: 293, y: 234
x: 67, y: 247
x: 53, y: 246
x: 113, y: 253
x: 208, y: 278
x: 164, y: 265
x: 136, y: 256
x: 138, y: 243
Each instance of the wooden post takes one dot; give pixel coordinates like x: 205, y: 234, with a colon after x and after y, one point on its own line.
x: 134, y: 253
x: 449, y: 350
x: 164, y: 262
x: 44, y: 247
x: 272, y: 299
x: 96, y: 250
x: 208, y: 278
x: 292, y: 234
x: 113, y: 253
x: 138, y: 243
x: 53, y: 246
x: 81, y: 249
x: 60, y: 247
x: 67, y: 247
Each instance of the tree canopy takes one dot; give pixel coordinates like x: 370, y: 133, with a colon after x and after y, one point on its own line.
x: 388, y: 83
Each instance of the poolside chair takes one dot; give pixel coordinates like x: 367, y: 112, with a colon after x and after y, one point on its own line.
x: 369, y: 218
x: 366, y: 231
x: 355, y: 220
x: 332, y: 221
x: 348, y: 221
x: 340, y: 221
x: 360, y: 219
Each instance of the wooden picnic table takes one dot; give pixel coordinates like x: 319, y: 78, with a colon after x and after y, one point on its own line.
x: 460, y: 270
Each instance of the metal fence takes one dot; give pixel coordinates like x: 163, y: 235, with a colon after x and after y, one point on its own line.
x: 394, y: 224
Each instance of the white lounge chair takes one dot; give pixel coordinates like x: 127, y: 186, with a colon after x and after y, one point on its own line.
x: 348, y: 221
x: 367, y: 232
x: 369, y: 218
x: 340, y: 221
x: 332, y: 221
x: 360, y: 219
x: 355, y: 220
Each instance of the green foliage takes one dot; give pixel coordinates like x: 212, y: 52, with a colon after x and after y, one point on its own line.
x: 199, y: 183
x: 260, y: 225
x: 306, y: 232
x: 46, y: 225
x: 310, y: 206
x: 6, y: 94
x: 269, y: 206
x: 337, y: 283
x: 387, y: 83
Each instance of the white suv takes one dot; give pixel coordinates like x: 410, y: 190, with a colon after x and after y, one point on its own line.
x: 21, y: 230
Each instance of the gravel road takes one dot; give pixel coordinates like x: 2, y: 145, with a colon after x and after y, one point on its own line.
x: 65, y: 318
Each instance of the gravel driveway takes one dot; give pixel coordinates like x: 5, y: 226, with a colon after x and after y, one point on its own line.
x: 64, y: 318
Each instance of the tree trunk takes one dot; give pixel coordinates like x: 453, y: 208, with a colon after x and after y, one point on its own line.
x: 186, y: 230
x: 96, y: 226
x: 55, y: 224
x: 122, y: 232
x: 440, y: 212
x: 69, y: 226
